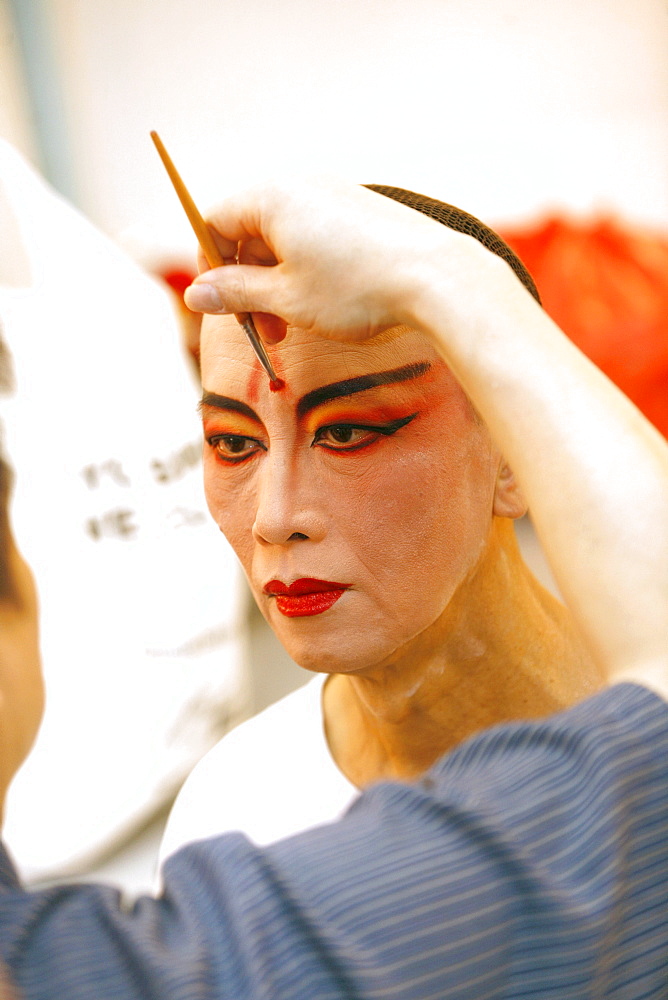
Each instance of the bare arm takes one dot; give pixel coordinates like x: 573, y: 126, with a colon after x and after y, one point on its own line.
x: 348, y: 263
x: 594, y: 470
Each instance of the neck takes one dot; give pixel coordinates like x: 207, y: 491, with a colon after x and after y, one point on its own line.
x: 504, y: 649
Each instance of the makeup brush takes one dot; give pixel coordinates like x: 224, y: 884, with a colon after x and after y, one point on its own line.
x: 213, y: 256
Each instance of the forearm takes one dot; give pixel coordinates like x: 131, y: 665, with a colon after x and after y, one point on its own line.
x: 594, y: 470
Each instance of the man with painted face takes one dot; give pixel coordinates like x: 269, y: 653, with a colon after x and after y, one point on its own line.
x: 532, y: 859
x: 373, y: 515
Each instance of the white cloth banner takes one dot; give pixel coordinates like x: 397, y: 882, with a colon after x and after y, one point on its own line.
x: 142, y: 605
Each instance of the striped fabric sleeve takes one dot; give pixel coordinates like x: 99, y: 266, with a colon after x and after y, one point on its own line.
x: 530, y: 862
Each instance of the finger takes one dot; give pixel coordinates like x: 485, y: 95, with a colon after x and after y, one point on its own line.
x: 226, y: 251
x: 271, y: 328
x: 239, y: 217
x: 227, y: 248
x: 202, y: 263
x: 255, y: 251
x: 241, y: 288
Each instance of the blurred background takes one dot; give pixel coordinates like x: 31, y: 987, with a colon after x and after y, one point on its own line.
x: 548, y: 120
x: 505, y: 107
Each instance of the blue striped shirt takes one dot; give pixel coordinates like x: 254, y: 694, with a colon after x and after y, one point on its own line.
x: 531, y: 862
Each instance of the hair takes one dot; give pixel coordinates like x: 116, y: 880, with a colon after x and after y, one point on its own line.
x: 7, y: 591
x: 462, y: 222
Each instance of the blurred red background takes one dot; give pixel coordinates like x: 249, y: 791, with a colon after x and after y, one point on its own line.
x: 606, y: 285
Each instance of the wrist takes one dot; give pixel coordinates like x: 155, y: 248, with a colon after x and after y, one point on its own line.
x: 453, y: 291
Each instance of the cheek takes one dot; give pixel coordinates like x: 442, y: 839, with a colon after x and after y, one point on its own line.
x: 232, y: 507
x: 422, y: 521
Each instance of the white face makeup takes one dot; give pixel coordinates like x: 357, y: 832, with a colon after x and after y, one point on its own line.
x: 357, y: 499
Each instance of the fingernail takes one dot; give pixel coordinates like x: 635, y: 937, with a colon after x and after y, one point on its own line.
x: 203, y: 298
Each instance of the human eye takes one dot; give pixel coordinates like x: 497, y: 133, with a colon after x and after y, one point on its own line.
x: 234, y: 448
x: 353, y: 437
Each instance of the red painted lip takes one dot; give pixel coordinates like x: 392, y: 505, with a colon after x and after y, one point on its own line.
x: 307, y: 585
x: 305, y: 597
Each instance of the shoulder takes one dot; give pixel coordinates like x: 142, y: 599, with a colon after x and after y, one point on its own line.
x: 587, y: 776
x: 514, y: 853
x: 446, y: 887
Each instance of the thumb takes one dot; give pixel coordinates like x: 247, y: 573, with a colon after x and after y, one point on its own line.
x: 235, y: 289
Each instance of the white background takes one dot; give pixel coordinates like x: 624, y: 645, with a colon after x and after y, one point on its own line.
x: 505, y: 107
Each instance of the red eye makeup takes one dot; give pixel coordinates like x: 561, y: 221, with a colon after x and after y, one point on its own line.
x: 234, y: 448
x: 334, y: 423
x: 232, y: 433
x: 347, y: 436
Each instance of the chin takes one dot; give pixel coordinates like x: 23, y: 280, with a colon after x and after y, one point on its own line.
x: 333, y: 653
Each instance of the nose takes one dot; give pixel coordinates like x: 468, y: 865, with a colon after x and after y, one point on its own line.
x: 288, y: 507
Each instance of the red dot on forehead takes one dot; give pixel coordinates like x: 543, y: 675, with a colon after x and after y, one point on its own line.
x: 256, y: 379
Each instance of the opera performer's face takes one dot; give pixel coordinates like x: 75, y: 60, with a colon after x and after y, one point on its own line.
x: 358, y: 498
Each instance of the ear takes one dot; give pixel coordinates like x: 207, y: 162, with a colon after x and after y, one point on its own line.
x: 508, y: 497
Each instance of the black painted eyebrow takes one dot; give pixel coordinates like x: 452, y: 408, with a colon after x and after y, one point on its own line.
x: 335, y: 390
x: 349, y: 386
x: 227, y: 403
